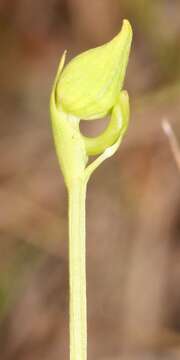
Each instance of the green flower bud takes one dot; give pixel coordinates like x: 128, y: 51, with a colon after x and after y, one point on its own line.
x: 90, y: 84
x: 90, y: 87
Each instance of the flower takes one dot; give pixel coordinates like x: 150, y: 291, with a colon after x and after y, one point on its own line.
x: 87, y: 88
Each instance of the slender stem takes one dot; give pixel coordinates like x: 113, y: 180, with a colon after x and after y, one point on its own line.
x: 77, y: 271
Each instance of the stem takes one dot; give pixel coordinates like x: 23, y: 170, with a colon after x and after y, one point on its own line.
x: 77, y: 271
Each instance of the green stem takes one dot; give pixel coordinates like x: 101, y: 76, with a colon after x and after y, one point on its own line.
x: 77, y: 271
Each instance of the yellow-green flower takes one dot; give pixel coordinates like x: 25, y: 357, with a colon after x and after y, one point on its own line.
x: 87, y: 88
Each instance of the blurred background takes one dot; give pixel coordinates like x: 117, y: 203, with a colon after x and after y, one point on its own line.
x: 133, y: 200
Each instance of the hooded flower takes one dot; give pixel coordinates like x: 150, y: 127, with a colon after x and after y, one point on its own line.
x: 90, y: 87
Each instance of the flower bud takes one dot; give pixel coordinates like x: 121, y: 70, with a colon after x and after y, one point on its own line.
x: 90, y: 84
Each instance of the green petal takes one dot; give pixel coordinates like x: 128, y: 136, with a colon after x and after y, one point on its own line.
x: 90, y: 84
x: 120, y: 114
x: 116, y: 127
